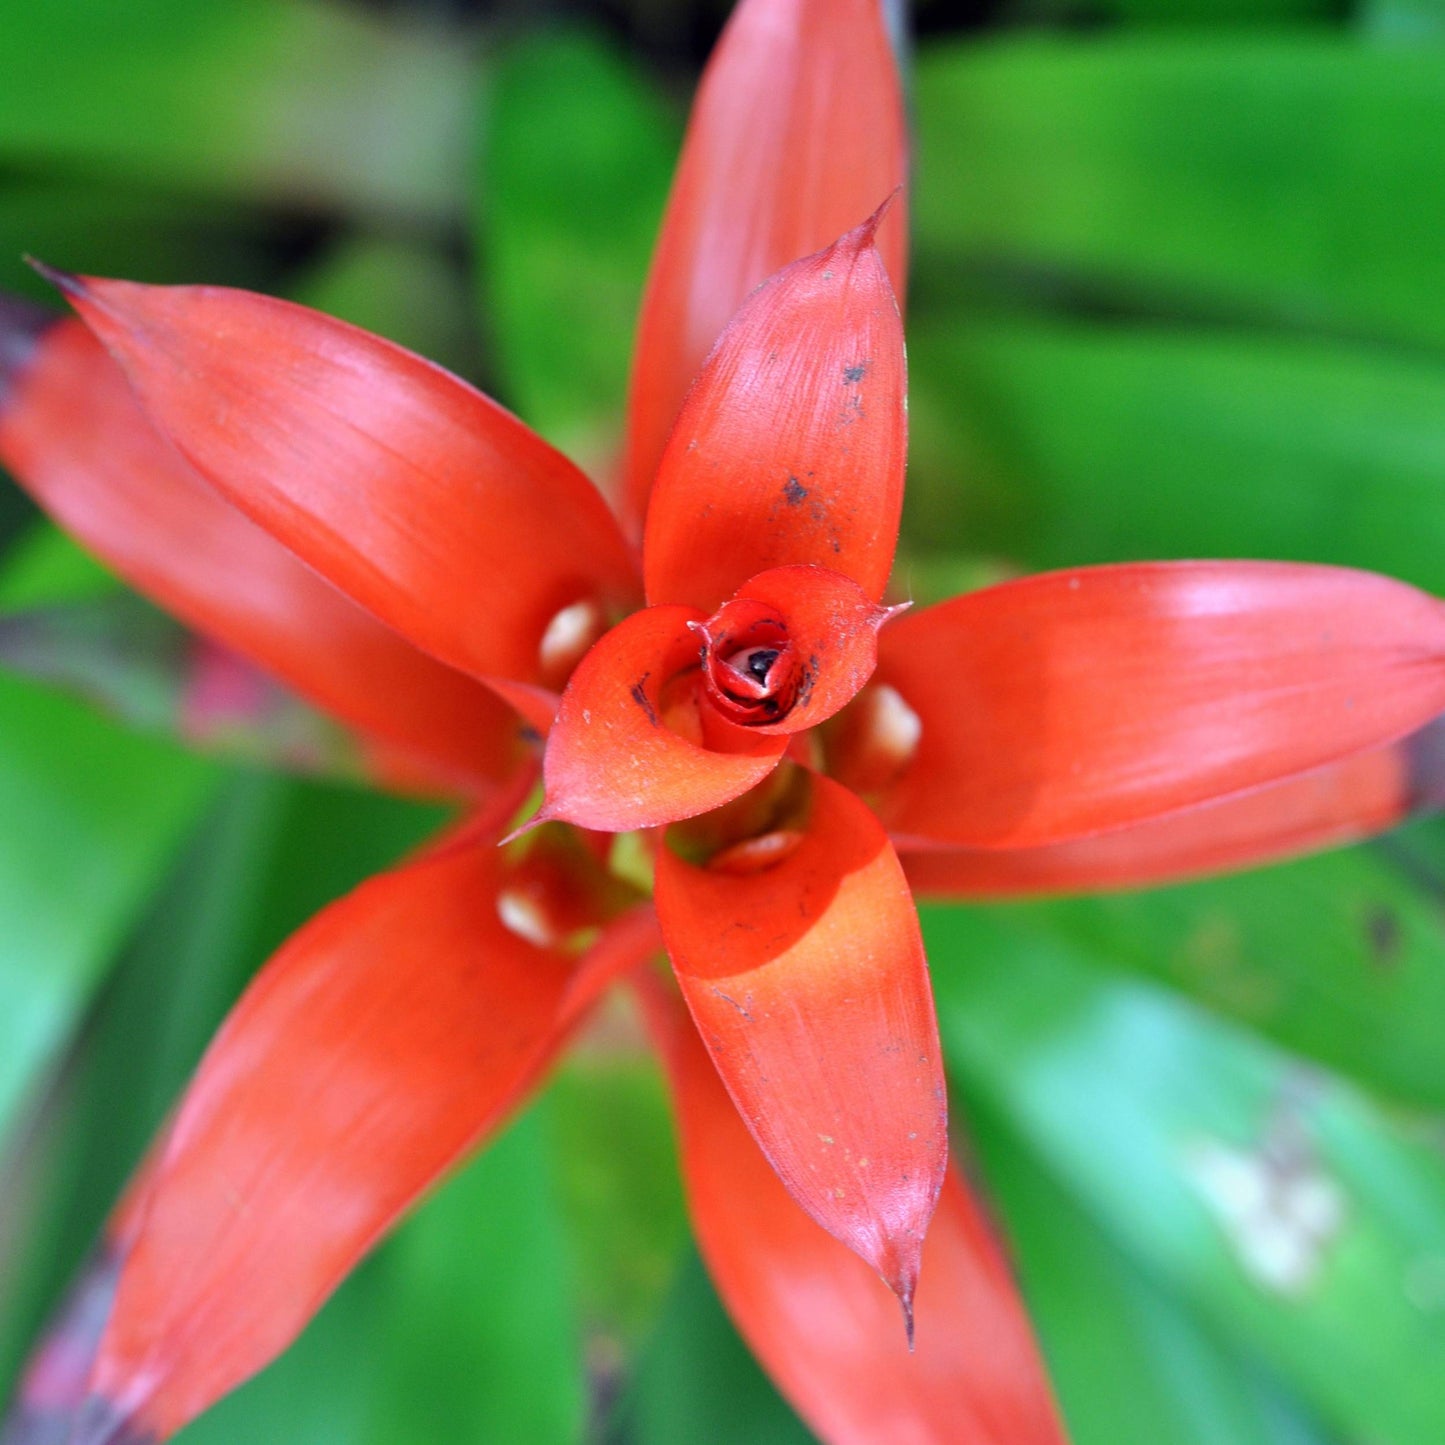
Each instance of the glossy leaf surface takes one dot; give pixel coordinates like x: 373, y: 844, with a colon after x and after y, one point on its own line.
x: 1134, y: 168
x: 1339, y: 803
x: 90, y: 813
x: 809, y: 987
x: 234, y: 99
x: 1146, y: 1368
x: 491, y: 1344
x: 407, y: 1017
x: 825, y: 1327
x: 790, y: 448
x: 481, y: 1276
x: 694, y: 1379
x: 1278, y: 1201
x: 1115, y: 441
x: 73, y: 434
x: 477, y: 533
x: 577, y: 146
x: 1340, y: 959
x: 1076, y: 702
x: 797, y: 133
x: 624, y: 753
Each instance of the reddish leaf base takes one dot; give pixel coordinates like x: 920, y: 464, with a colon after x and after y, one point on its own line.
x: 21, y: 325
x: 98, y: 1424
x: 55, y: 1379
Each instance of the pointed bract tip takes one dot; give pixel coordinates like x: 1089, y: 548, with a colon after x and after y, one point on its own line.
x: 899, y: 1268
x: 863, y: 236
x: 536, y: 821
x: 886, y: 615
x: 65, y: 281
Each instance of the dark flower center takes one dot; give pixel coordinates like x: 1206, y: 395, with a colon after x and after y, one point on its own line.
x: 747, y: 662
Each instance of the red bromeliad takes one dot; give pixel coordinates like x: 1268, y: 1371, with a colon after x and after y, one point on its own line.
x: 747, y: 689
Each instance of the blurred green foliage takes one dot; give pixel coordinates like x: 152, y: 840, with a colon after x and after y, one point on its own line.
x: 1178, y: 291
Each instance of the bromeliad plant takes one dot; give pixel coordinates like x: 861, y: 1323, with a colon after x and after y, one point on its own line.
x: 733, y: 720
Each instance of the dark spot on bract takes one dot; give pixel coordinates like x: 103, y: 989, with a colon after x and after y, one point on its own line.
x: 854, y: 374
x: 807, y: 680
x: 794, y: 491
x: 640, y: 697
x: 741, y: 1008
x: 1385, y: 936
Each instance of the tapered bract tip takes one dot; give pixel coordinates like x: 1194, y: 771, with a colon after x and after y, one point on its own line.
x: 900, y: 1273
x: 869, y: 229
x: 536, y: 821
x: 66, y: 281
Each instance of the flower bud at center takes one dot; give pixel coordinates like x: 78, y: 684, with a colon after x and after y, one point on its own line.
x: 749, y: 665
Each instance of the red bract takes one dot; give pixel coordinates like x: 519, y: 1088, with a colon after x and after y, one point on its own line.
x: 741, y: 690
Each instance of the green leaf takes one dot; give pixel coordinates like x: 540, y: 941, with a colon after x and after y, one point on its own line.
x: 477, y: 1336
x: 138, y: 666
x: 92, y: 819
x: 1295, y: 1217
x: 1404, y: 19
x: 695, y: 1380
x: 1340, y: 958
x: 1176, y: 12
x: 46, y: 568
x: 113, y: 230
x: 312, y: 1394
x: 617, y: 1168
x: 1292, y: 177
x: 1070, y: 444
x: 311, y: 104
x: 190, y: 952
x: 577, y: 157
x: 409, y: 292
x: 1145, y: 1369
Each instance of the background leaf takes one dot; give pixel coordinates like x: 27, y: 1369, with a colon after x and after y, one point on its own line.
x: 1292, y: 178
x: 92, y: 817
x: 696, y: 1381
x: 293, y: 101
x: 1064, y: 443
x: 1275, y: 1200
x: 1131, y: 1364
x: 577, y: 158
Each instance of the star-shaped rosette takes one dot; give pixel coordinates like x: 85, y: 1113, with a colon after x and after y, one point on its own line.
x: 717, y: 673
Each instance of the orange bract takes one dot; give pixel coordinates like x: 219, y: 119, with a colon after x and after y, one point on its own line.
x: 1091, y: 727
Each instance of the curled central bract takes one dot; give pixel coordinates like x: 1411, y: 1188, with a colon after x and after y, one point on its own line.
x: 750, y: 667
x: 790, y: 648
x: 672, y: 714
